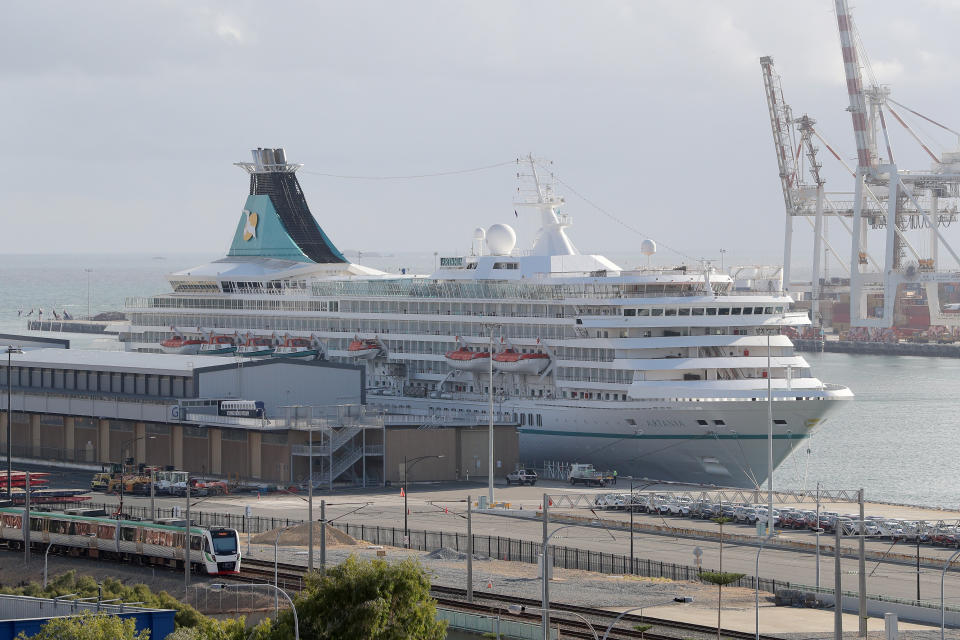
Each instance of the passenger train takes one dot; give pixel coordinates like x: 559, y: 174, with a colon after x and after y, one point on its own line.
x: 213, y: 550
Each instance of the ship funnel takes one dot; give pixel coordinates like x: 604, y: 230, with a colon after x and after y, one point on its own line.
x: 280, y: 156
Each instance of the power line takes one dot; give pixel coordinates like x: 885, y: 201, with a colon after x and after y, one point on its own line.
x: 412, y: 177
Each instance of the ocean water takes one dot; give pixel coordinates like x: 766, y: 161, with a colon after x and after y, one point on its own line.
x: 898, y: 439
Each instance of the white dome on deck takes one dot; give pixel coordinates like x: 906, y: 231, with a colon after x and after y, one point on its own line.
x: 501, y: 239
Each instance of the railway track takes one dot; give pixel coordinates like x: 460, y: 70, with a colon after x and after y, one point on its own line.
x: 494, y: 603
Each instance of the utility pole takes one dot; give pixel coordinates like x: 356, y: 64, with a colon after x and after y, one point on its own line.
x: 490, y: 431
x: 309, y: 496
x: 631, y: 525
x: 153, y: 482
x: 88, y: 292
x: 323, y: 534
x: 863, y: 570
x: 26, y: 518
x: 837, y: 588
x: 545, y: 617
x: 186, y: 547
x: 770, y: 439
x: 469, y: 549
x: 10, y: 352
x: 818, y: 531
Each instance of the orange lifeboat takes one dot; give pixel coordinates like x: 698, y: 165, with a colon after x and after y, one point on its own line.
x: 181, y: 344
x: 512, y: 361
x: 466, y: 360
x: 364, y: 349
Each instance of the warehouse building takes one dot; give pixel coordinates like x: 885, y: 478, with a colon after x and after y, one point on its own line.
x: 161, y: 409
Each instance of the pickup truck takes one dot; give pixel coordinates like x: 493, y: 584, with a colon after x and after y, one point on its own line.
x: 522, y: 477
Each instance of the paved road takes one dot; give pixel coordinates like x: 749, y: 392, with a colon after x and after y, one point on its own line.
x: 427, y: 504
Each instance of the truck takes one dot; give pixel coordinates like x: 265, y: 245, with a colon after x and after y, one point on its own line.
x: 586, y: 474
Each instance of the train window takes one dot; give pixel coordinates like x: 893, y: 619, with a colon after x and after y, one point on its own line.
x: 128, y: 534
x: 106, y: 531
x: 36, y: 524
x: 196, y: 543
x: 83, y: 529
x: 59, y: 526
x: 224, y: 541
x: 10, y: 520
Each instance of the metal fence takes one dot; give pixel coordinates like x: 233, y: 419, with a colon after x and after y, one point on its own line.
x: 513, y: 550
x: 495, y: 547
x: 243, y: 524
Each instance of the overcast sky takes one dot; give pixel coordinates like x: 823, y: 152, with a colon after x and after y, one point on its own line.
x: 121, y: 119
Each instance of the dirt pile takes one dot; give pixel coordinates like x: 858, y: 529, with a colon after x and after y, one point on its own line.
x: 300, y: 536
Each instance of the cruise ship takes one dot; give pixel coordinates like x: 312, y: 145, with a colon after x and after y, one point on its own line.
x: 658, y: 373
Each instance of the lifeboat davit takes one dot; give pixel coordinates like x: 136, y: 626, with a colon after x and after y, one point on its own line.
x: 466, y: 360
x: 511, y: 361
x: 364, y: 349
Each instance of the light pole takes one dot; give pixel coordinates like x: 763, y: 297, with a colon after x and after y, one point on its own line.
x: 10, y: 352
x: 218, y: 586
x: 45, y: 554
x: 123, y: 448
x: 89, y: 271
x: 406, y: 468
x: 756, y: 589
x: 640, y: 609
x: 490, y: 461
x: 516, y: 608
x: 545, y: 573
x: 943, y: 609
x: 276, y: 564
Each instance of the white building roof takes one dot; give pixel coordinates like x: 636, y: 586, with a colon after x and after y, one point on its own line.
x: 125, y: 361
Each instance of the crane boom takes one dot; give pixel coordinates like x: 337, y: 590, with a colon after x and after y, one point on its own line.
x: 781, y: 121
x: 866, y: 155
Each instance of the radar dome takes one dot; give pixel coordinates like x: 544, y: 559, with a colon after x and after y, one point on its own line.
x: 479, y: 233
x: 648, y: 247
x: 501, y: 239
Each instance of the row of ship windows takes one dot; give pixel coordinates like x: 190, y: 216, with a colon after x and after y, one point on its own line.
x: 517, y: 310
x: 721, y: 423
x: 701, y: 311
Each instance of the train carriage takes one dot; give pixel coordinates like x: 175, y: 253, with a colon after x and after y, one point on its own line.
x: 213, y: 550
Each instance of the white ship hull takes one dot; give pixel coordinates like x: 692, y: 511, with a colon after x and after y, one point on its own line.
x: 665, y: 443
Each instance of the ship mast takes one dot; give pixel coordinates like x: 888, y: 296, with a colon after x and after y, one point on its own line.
x: 534, y: 191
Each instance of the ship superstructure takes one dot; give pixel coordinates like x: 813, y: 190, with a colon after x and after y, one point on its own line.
x: 655, y: 372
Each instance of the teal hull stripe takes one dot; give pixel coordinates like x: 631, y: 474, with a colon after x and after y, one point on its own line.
x: 644, y: 436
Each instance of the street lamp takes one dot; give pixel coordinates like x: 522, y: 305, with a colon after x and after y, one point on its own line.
x: 640, y: 609
x: 756, y: 586
x: 123, y: 448
x: 220, y: 586
x: 276, y: 564
x: 517, y: 609
x: 943, y: 609
x: 10, y: 352
x: 406, y: 468
x: 544, y: 574
x: 89, y: 271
